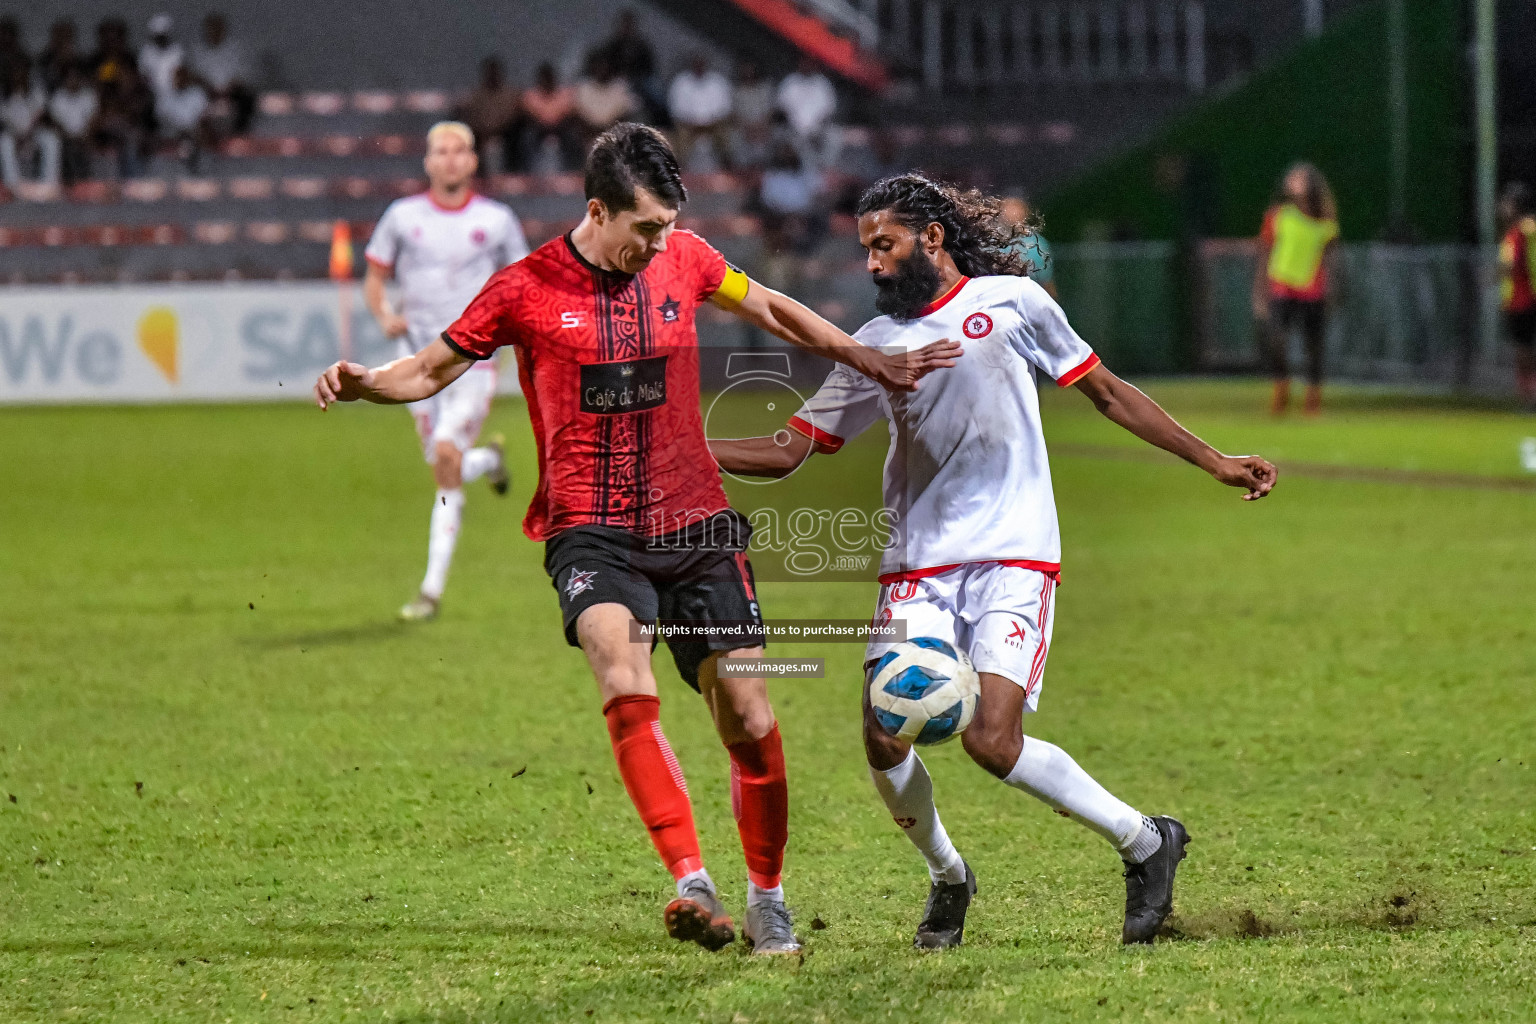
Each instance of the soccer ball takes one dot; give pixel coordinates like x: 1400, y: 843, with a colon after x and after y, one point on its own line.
x: 924, y: 691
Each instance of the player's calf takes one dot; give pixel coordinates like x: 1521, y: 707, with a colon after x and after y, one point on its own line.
x: 447, y: 465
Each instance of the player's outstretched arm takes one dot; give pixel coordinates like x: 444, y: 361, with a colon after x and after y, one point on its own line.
x: 776, y: 456
x: 1133, y: 410
x: 404, y: 380
x: 783, y: 317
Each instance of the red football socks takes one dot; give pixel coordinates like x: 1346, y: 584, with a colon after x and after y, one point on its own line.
x: 655, y: 781
x: 760, y: 800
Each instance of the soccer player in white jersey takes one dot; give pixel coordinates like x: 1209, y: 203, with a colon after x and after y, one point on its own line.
x: 975, y: 556
x: 442, y: 246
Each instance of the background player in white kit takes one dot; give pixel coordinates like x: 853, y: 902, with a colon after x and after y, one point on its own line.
x: 442, y: 246
x: 975, y: 554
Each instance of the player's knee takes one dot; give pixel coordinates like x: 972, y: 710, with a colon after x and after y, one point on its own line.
x: 447, y: 465
x: 881, y: 749
x: 993, y: 744
x: 620, y: 680
x: 742, y: 712
x: 757, y: 719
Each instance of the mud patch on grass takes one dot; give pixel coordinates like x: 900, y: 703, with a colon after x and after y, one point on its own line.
x: 1241, y: 923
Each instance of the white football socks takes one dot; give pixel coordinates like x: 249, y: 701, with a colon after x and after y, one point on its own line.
x: 1046, y: 771
x: 447, y: 511
x: 908, y: 793
x: 756, y: 895
x: 476, y: 463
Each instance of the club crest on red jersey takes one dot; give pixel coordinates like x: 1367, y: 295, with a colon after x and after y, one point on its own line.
x: 977, y: 325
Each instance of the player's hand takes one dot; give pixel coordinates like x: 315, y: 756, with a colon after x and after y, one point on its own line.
x: 393, y: 325
x: 901, y: 371
x: 1248, y: 471
x: 343, y: 382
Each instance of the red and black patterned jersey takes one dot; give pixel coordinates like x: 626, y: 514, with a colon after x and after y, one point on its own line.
x: 609, y: 364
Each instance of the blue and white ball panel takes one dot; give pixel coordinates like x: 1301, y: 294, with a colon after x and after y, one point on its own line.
x: 924, y: 691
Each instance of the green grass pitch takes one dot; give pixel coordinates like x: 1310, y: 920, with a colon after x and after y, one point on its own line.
x: 232, y: 788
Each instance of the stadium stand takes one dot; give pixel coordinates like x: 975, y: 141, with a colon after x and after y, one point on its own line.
x: 1097, y: 76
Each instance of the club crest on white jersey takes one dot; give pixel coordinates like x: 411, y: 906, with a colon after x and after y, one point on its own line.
x: 977, y: 325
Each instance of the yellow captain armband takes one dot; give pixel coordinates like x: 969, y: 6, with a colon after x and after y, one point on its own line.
x: 733, y: 289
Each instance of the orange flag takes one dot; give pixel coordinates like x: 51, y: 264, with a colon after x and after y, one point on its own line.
x: 341, y: 251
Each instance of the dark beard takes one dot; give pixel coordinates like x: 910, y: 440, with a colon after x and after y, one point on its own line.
x: 904, y: 294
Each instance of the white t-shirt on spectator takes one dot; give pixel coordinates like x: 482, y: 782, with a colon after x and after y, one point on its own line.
x: 179, y: 110
x: 158, y: 65
x: 220, y: 66
x: 699, y: 100
x: 73, y: 110
x: 601, y: 105
x: 789, y: 192
x: 808, y: 101
x: 753, y: 104
x: 20, y: 111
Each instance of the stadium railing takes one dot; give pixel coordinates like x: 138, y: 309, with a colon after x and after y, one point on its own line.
x: 1413, y: 315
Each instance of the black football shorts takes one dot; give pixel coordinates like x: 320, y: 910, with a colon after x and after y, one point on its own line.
x: 698, y: 579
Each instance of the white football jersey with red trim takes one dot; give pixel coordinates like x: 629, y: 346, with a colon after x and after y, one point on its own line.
x: 441, y: 257
x: 967, y: 478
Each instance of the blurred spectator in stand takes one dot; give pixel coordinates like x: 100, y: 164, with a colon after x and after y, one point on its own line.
x: 602, y: 98
x: 224, y: 69
x: 493, y: 113
x: 808, y: 100
x: 112, y: 53
x: 700, y: 104
x: 862, y: 166
x: 548, y: 110
x: 126, y: 121
x: 29, y: 145
x: 752, y: 107
x: 182, y: 116
x: 160, y: 56
x: 630, y: 55
x: 1517, y: 285
x: 788, y: 200
x: 1032, y: 244
x: 12, y: 55
x: 60, y: 55
x: 73, y: 108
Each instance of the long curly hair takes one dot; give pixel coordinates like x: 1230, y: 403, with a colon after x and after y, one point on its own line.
x: 977, y: 236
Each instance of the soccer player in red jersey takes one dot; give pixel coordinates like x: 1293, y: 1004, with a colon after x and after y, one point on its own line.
x: 629, y: 504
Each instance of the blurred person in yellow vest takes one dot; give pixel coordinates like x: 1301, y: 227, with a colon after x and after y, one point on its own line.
x: 1517, y: 284
x: 1291, y: 280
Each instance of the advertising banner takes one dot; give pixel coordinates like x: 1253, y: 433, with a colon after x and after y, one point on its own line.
x: 191, y: 342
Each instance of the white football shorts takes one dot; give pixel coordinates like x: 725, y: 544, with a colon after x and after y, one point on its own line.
x: 1001, y: 615
x: 456, y: 413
